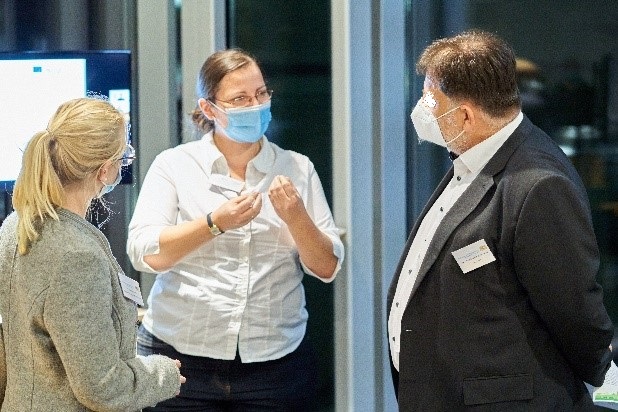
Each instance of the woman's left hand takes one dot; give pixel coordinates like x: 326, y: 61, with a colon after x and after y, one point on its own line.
x: 286, y: 200
x: 314, y: 247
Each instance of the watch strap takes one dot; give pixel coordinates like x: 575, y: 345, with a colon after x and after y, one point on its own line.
x: 213, y: 228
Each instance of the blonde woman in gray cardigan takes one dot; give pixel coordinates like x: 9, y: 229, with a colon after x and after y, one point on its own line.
x: 67, y: 339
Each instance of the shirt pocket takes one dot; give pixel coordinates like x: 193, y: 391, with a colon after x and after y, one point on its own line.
x: 497, y: 389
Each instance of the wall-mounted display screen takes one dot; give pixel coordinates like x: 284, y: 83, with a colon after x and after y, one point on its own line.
x: 34, y: 84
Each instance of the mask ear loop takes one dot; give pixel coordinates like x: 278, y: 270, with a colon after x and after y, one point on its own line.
x: 447, y: 112
x: 202, y: 103
x: 460, y: 134
x: 101, y: 170
x: 213, y: 104
x: 215, y: 119
x: 455, y: 138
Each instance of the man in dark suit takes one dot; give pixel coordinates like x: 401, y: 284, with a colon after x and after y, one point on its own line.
x: 494, y: 304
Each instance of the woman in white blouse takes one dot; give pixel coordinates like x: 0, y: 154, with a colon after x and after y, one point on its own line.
x: 230, y: 224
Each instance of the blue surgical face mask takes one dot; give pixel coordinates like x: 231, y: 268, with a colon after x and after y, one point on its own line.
x: 246, y: 124
x: 108, y: 188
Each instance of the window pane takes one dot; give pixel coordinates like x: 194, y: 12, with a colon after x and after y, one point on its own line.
x: 569, y: 83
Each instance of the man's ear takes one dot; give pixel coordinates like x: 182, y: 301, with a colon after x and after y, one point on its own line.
x: 469, y: 116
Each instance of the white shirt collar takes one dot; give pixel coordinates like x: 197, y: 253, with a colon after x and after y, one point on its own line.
x: 477, y: 157
x: 214, y: 161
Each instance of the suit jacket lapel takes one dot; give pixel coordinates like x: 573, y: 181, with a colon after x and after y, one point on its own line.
x: 406, y: 249
x: 468, y: 200
x: 462, y: 208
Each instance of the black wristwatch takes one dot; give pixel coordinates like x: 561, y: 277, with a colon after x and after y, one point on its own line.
x: 213, y: 228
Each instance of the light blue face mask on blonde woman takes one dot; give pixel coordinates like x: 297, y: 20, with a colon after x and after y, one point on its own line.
x: 126, y: 160
x: 246, y: 124
x: 109, y: 187
x: 426, y: 125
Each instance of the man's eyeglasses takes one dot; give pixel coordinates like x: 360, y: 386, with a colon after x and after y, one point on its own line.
x: 128, y: 157
x: 245, y: 101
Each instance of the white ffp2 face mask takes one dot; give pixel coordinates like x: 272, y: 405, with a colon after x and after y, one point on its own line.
x: 426, y: 125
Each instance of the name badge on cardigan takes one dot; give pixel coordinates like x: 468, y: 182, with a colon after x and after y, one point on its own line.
x: 473, y: 256
x: 130, y: 289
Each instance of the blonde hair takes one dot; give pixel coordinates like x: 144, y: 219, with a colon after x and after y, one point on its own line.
x: 81, y: 136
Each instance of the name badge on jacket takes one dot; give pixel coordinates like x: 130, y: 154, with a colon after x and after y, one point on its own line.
x: 130, y: 289
x: 473, y: 256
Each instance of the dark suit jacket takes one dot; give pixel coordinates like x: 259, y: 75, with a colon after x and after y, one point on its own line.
x: 525, y: 331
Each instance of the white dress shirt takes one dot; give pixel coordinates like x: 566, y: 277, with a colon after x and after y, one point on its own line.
x: 466, y: 168
x: 243, y: 288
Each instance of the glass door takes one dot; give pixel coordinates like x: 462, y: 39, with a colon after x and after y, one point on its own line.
x: 291, y: 41
x: 568, y: 77
x: 568, y: 66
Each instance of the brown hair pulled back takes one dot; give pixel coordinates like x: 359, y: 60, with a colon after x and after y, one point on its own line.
x: 209, y: 78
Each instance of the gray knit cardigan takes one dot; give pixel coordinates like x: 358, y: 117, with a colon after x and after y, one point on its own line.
x: 67, y: 339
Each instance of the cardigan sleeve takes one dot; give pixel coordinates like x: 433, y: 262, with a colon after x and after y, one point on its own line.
x: 79, y: 315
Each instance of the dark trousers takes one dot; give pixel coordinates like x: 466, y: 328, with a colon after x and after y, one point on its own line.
x: 286, y: 384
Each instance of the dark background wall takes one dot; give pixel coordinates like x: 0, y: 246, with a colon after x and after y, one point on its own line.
x: 291, y: 40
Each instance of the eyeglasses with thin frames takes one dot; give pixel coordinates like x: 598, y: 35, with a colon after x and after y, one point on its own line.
x: 128, y: 157
x: 245, y: 101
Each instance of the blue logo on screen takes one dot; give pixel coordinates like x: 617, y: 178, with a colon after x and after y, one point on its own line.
x: 37, y: 69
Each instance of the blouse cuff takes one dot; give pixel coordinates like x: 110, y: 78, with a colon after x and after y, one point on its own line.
x: 338, y: 251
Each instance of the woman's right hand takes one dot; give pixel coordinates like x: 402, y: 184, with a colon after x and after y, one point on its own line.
x: 238, y: 211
